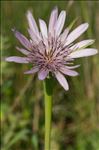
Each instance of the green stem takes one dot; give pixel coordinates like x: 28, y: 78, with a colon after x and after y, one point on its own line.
x: 48, y: 90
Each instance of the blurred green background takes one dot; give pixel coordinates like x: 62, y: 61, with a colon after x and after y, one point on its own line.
x: 76, y: 112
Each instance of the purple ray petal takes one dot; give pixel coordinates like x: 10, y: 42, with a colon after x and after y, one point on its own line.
x: 33, y: 70
x: 17, y: 59
x: 43, y: 28
x: 83, y: 53
x: 23, y: 40
x: 83, y: 44
x: 52, y: 21
x: 22, y: 50
x: 62, y: 80
x: 32, y: 23
x: 60, y: 23
x: 35, y: 38
x: 76, y: 33
x: 68, y: 72
x: 42, y: 74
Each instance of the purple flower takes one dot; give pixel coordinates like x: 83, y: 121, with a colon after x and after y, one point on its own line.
x: 49, y: 50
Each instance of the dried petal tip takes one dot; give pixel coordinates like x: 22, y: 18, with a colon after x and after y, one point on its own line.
x: 13, y: 29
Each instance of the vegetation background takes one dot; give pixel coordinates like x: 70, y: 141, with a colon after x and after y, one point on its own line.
x: 76, y: 112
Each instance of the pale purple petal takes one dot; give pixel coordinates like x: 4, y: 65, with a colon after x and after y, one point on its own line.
x: 22, y: 50
x: 42, y: 74
x: 52, y: 21
x: 17, y: 59
x: 62, y: 80
x: 43, y: 28
x: 76, y: 33
x: 32, y: 23
x: 83, y: 44
x: 60, y: 23
x: 23, y: 40
x: 83, y: 53
x: 33, y: 70
x: 68, y: 72
x: 35, y: 38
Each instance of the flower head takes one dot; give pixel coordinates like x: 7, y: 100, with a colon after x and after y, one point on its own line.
x: 49, y: 50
